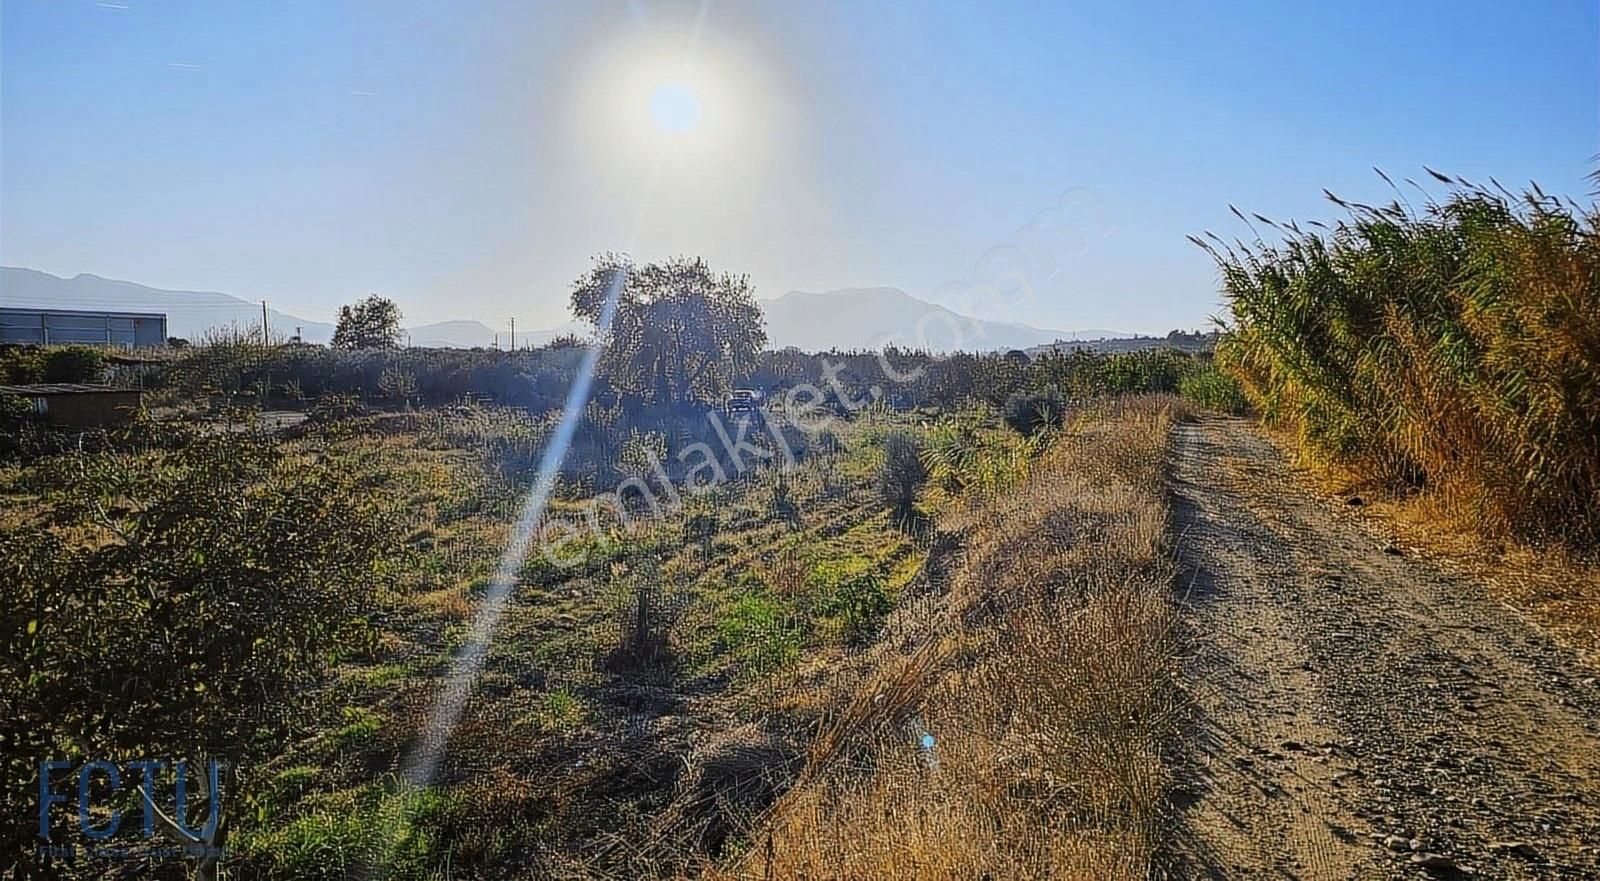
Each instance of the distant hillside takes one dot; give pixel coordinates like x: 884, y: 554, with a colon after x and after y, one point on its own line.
x: 476, y: 334
x: 856, y: 318
x: 868, y: 318
x: 453, y: 335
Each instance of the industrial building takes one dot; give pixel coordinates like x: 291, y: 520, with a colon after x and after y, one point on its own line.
x: 56, y: 327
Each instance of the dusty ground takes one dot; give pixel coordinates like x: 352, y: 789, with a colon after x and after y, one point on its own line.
x: 1362, y: 713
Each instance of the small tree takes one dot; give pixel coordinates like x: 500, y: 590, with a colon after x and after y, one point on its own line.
x: 372, y: 323
x: 902, y: 475
x: 397, y: 383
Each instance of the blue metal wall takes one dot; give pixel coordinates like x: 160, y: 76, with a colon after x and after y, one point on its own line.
x: 62, y: 326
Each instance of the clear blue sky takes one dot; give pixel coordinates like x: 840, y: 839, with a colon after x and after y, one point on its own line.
x: 467, y: 158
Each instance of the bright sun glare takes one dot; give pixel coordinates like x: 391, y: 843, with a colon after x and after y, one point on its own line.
x: 683, y: 115
x: 674, y: 107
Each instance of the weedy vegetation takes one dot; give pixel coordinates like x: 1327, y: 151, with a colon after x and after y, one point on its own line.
x: 929, y: 637
x: 1018, y: 717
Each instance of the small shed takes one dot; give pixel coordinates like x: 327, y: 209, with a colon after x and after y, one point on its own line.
x: 79, y: 405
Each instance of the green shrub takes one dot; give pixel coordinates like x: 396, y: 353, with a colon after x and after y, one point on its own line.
x: 232, y: 572
x: 329, y: 409
x: 761, y: 632
x: 74, y: 364
x: 1032, y: 412
x: 21, y: 365
x: 857, y: 606
x: 20, y: 435
x: 560, y: 710
x: 14, y: 409
x: 902, y: 474
x: 1212, y: 389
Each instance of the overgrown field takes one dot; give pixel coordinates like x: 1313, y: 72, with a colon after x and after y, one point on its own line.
x: 1454, y: 349
x: 303, y: 596
x: 290, y: 602
x: 1019, y: 717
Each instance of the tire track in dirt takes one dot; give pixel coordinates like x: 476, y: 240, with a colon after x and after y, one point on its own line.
x: 1362, y: 714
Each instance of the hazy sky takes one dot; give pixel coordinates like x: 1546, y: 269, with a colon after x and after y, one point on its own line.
x: 467, y: 158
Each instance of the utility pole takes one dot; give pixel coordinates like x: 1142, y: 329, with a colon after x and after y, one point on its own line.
x: 513, y: 334
x: 264, y: 337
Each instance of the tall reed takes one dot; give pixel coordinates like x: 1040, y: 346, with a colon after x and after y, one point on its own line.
x: 1455, y: 347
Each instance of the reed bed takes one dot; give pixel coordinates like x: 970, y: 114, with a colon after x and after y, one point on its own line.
x: 1453, y: 348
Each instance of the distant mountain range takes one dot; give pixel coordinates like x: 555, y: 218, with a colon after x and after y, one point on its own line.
x: 870, y: 318
x: 189, y: 313
x: 856, y: 318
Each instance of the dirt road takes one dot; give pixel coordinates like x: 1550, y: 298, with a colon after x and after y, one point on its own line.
x: 1364, y: 715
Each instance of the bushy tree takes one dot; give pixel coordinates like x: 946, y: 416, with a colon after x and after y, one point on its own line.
x: 681, y: 332
x: 178, y: 606
x: 372, y: 323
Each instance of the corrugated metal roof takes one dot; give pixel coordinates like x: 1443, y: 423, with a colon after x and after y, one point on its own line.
x: 60, y: 388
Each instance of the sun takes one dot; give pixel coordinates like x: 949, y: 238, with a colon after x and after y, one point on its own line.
x: 674, y: 108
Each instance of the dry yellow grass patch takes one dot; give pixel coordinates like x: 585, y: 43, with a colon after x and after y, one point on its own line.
x: 1558, y: 586
x: 1013, y: 720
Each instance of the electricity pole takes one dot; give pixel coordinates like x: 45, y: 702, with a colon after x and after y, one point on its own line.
x: 513, y: 334
x: 264, y: 323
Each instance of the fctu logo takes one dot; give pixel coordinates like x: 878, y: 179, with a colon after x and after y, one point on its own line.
x: 112, y: 775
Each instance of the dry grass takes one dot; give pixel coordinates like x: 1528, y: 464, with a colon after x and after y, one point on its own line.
x: 1558, y: 586
x: 1014, y: 719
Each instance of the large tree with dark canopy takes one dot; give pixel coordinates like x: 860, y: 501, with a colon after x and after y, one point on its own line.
x: 372, y: 323
x: 681, y: 333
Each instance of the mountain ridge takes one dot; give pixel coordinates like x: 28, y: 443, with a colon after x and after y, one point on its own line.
x: 850, y: 318
x: 869, y: 318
